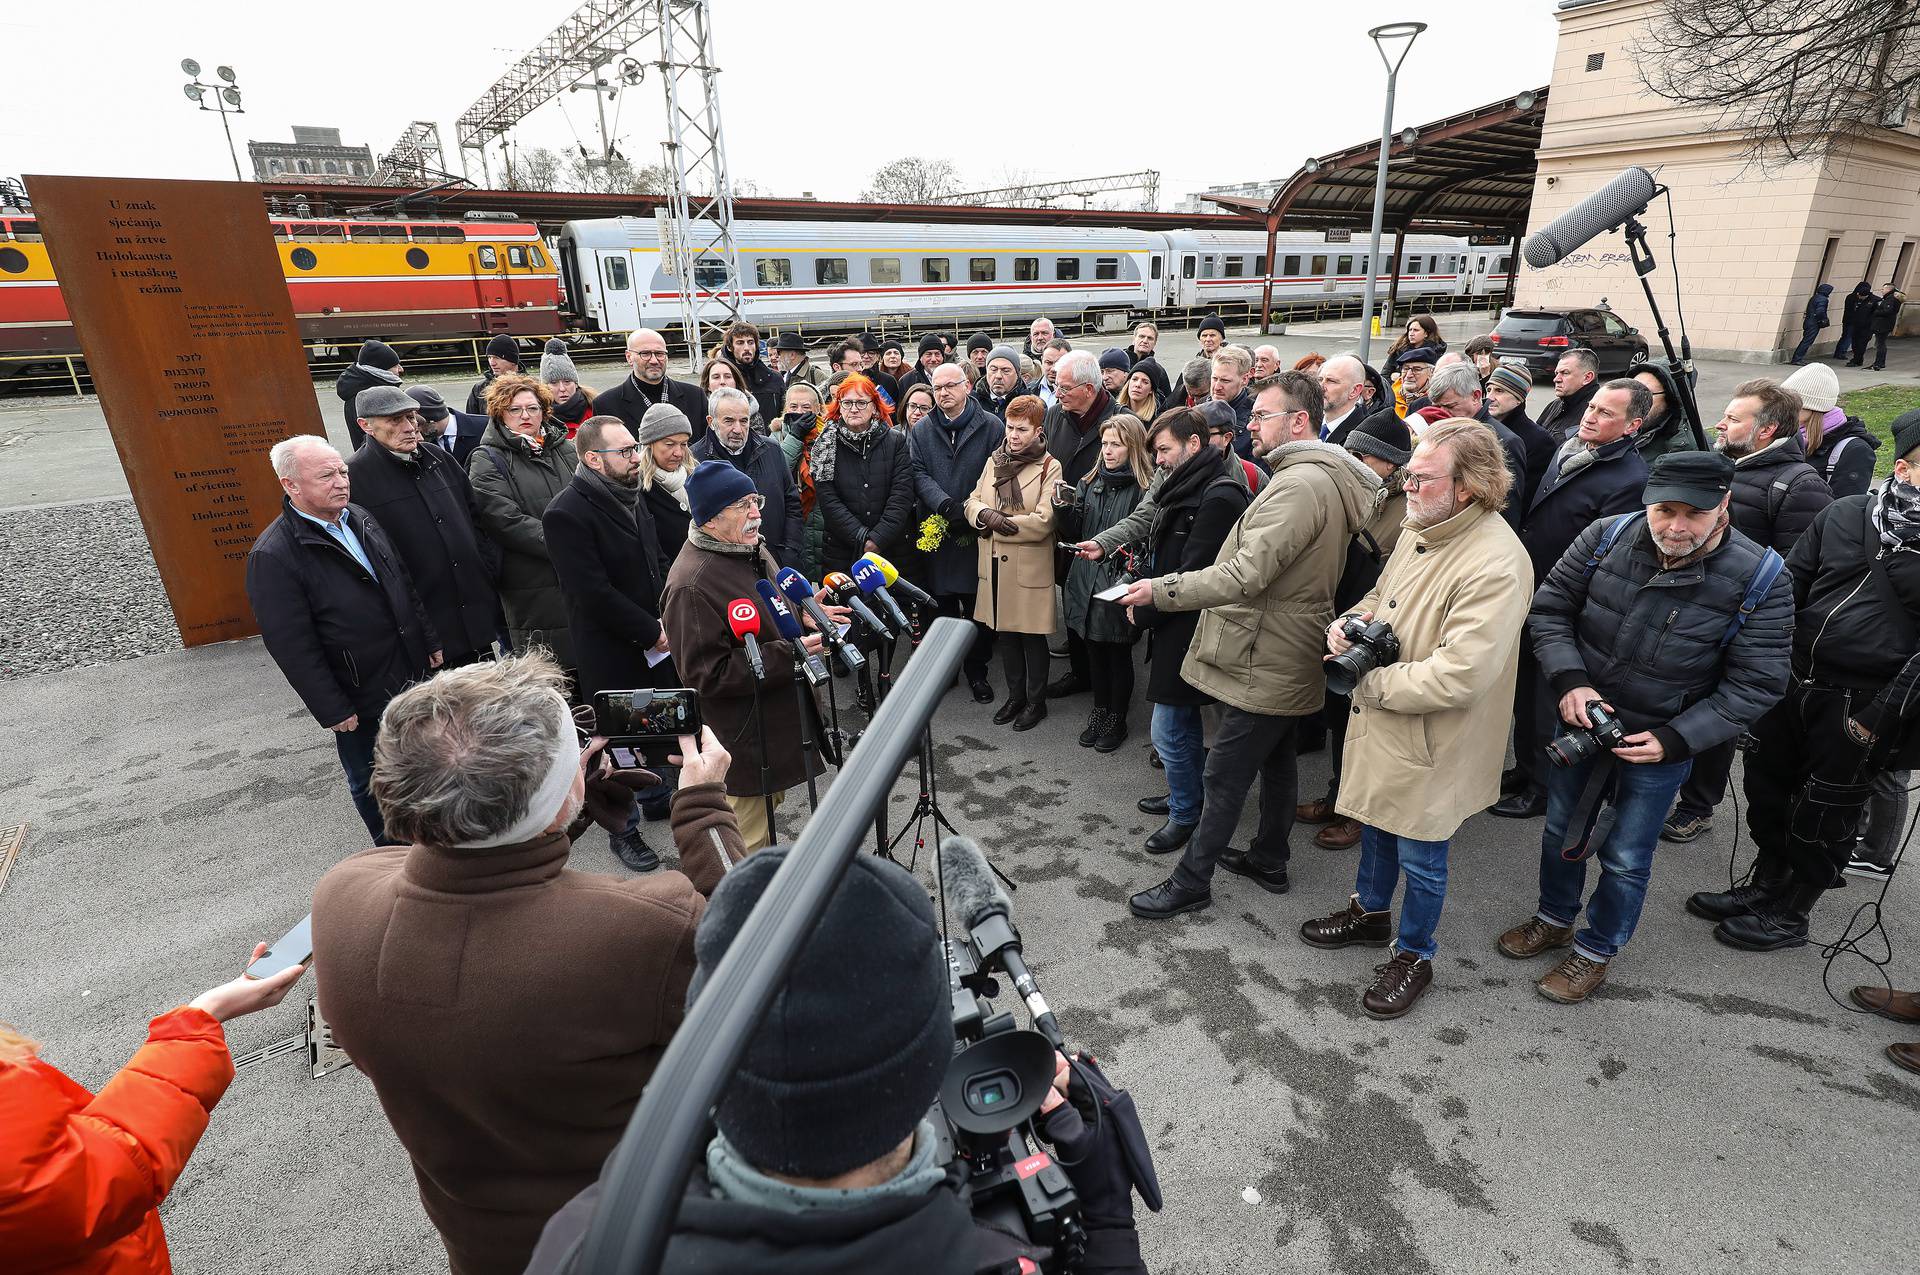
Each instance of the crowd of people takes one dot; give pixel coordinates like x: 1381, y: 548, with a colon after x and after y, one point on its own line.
x: 1398, y: 564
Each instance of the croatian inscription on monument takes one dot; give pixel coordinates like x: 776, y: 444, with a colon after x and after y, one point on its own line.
x: 181, y: 308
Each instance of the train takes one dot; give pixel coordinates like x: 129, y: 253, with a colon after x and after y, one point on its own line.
x: 421, y: 282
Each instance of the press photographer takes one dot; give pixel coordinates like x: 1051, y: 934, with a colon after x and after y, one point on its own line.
x: 1428, y: 658
x: 508, y: 1009
x: 1678, y: 626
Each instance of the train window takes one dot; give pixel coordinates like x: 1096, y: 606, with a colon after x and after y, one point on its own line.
x: 1344, y: 265
x: 1500, y: 263
x: 303, y: 259
x: 773, y: 272
x: 538, y: 258
x: 884, y: 269
x: 1233, y: 267
x: 1319, y: 266
x: 710, y: 274
x: 324, y: 232
x: 439, y: 234
x: 378, y: 234
x: 1156, y: 267
x: 1066, y: 267
x: 1106, y: 267
x: 935, y: 269
x: 1026, y: 269
x: 1206, y: 268
x: 616, y: 269
x: 982, y: 269
x: 1291, y: 266
x: 830, y: 270
x: 27, y: 231
x: 1260, y: 264
x: 517, y: 257
x: 1186, y: 267
x: 417, y: 258
x: 489, y: 259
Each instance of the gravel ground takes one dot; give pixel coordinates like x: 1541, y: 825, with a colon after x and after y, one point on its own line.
x: 79, y: 587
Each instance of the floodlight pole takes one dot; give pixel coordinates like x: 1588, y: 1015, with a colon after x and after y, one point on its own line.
x: 1408, y: 31
x: 197, y: 94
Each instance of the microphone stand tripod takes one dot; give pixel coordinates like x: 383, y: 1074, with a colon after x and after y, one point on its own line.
x: 1635, y: 234
x: 808, y: 711
x: 928, y: 808
x: 766, y: 770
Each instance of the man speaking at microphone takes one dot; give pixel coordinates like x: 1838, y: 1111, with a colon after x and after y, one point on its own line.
x: 725, y: 559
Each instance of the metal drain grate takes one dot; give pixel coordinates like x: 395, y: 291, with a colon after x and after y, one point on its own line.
x: 291, y: 1045
x: 12, y: 837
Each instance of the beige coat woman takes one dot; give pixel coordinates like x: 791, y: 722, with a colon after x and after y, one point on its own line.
x: 1016, y: 571
x: 1429, y: 733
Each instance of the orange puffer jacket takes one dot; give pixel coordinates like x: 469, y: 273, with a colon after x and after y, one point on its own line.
x: 82, y: 1176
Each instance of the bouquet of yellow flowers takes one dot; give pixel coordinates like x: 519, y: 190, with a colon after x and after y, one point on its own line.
x: 933, y: 533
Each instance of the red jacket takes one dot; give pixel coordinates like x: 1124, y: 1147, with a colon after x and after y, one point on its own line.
x: 82, y: 1177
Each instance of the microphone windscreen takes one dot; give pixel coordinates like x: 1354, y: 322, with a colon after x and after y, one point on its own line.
x: 1627, y: 195
x: 969, y: 881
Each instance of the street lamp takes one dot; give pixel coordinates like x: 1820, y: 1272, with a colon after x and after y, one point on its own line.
x: 1392, y: 54
x: 225, y: 97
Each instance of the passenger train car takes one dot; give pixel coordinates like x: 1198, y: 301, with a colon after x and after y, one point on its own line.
x: 349, y: 280
x: 616, y: 271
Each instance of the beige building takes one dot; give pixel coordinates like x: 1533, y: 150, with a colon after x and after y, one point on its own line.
x: 1752, y: 244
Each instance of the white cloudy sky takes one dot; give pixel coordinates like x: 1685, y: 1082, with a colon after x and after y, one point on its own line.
x: 815, y: 95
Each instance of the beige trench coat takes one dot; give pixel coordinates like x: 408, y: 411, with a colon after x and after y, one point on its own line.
x: 1016, y: 572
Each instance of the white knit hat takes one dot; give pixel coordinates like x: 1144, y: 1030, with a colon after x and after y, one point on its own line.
x: 1817, y: 385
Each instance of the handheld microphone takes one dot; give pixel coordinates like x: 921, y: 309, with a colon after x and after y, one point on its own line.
x: 1627, y: 195
x: 987, y: 913
x: 915, y: 594
x: 867, y: 578
x: 847, y: 594
x: 744, y: 619
x: 789, y: 626
x: 800, y: 593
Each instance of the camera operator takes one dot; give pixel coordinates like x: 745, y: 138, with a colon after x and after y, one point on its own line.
x: 1678, y: 626
x: 825, y: 1157
x: 1256, y: 650
x: 508, y: 1009
x: 1428, y: 726
x: 1848, y: 712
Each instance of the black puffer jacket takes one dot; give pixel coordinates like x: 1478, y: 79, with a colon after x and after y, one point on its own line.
x: 1845, y: 458
x: 870, y: 497
x: 1776, y: 494
x: 1848, y: 632
x: 1561, y: 417
x: 1649, y: 639
x: 760, y: 381
x: 512, y: 487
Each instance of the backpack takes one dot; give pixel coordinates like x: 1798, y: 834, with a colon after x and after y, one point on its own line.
x: 1768, y: 571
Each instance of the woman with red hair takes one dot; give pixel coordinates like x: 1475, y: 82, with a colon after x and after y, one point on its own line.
x: 862, y: 475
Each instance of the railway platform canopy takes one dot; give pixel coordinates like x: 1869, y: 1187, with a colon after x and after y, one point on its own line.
x: 1468, y: 174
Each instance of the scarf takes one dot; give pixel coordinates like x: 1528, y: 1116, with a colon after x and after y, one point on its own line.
x: 1007, y: 465
x: 698, y: 536
x: 675, y: 483
x: 628, y: 498
x: 826, y: 447
x: 1896, y: 514
x: 739, y: 1181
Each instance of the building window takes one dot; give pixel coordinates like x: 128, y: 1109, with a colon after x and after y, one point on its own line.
x: 884, y: 269
x: 829, y: 271
x: 1595, y: 61
x: 935, y: 270
x: 1066, y: 268
x: 1873, y: 258
x: 1899, y: 276
x: 1026, y: 269
x: 982, y: 269
x: 773, y: 272
x: 1106, y: 267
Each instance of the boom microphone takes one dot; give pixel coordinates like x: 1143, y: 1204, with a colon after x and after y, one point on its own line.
x: 1627, y: 195
x: 744, y: 619
x: 867, y: 578
x: 789, y: 626
x: 987, y: 913
x: 800, y: 593
x: 915, y: 594
x: 844, y: 591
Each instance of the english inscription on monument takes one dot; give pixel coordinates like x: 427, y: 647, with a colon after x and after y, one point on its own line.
x: 181, y: 307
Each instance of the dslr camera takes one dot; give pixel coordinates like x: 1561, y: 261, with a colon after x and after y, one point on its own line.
x: 1577, y: 745
x: 1372, y: 645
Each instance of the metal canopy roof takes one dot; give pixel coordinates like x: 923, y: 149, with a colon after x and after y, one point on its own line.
x: 1469, y: 172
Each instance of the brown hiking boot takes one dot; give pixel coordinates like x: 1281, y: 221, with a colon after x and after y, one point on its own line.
x: 1532, y: 937
x: 1901, y: 1007
x: 1573, y: 980
x: 1342, y: 834
x: 1397, y: 985
x: 1351, y: 925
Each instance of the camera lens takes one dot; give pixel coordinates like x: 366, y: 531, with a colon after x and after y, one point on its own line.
x: 1572, y: 748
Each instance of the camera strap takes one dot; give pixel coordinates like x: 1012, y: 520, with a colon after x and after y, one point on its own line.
x: 1592, y: 819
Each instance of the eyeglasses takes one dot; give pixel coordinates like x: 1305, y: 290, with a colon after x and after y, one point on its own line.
x: 530, y: 409
x: 630, y: 451
x: 850, y: 401
x: 1257, y: 417
x: 1414, y: 482
x: 648, y: 354
x: 755, y: 501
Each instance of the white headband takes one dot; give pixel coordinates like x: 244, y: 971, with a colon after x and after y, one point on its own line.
x: 553, y: 790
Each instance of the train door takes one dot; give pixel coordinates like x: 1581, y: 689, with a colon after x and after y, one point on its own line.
x: 490, y: 284
x: 1159, y: 289
x: 1477, y: 285
x: 619, y: 299
x: 1189, y: 290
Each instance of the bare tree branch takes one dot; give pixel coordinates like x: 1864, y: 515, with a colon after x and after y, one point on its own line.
x: 912, y: 180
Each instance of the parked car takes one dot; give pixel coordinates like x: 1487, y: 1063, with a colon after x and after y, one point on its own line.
x: 1540, y: 337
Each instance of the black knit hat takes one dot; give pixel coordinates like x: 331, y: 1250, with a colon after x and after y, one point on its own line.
x: 1383, y: 436
x: 932, y: 341
x: 1212, y: 323
x: 378, y: 354
x: 853, y: 1049
x: 1117, y: 359
x: 1906, y: 434
x: 504, y: 347
x: 979, y: 341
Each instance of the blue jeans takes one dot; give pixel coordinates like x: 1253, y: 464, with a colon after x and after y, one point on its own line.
x: 356, y: 758
x: 1383, y: 857
x: 1181, y: 742
x: 1642, y: 795
x: 1808, y: 333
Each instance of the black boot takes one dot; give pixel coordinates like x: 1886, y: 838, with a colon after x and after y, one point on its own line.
x: 1096, y: 727
x: 1032, y: 715
x: 1009, y: 711
x: 1767, y: 881
x: 1779, y: 923
x: 1114, y: 735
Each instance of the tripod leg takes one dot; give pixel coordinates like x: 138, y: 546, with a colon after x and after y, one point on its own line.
x: 808, y: 746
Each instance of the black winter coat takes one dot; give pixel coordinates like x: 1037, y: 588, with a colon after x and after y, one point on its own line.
x: 347, y: 642
x: 348, y: 387
x: 1536, y: 447
x: 1856, y: 312
x: 1194, y: 509
x: 477, y: 396
x: 1776, y: 495
x: 1845, y: 458
x: 630, y: 400
x: 869, y: 498
x: 608, y: 560
x: 1849, y: 632
x: 782, y: 524
x: 1559, y: 511
x: 948, y: 459
x: 1816, y: 313
x: 1648, y: 639
x: 1100, y: 502
x: 670, y: 521
x: 426, y: 509
x: 1886, y: 313
x: 1562, y: 416
x: 1077, y: 452
x: 468, y: 430
x: 512, y: 487
x: 762, y: 382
